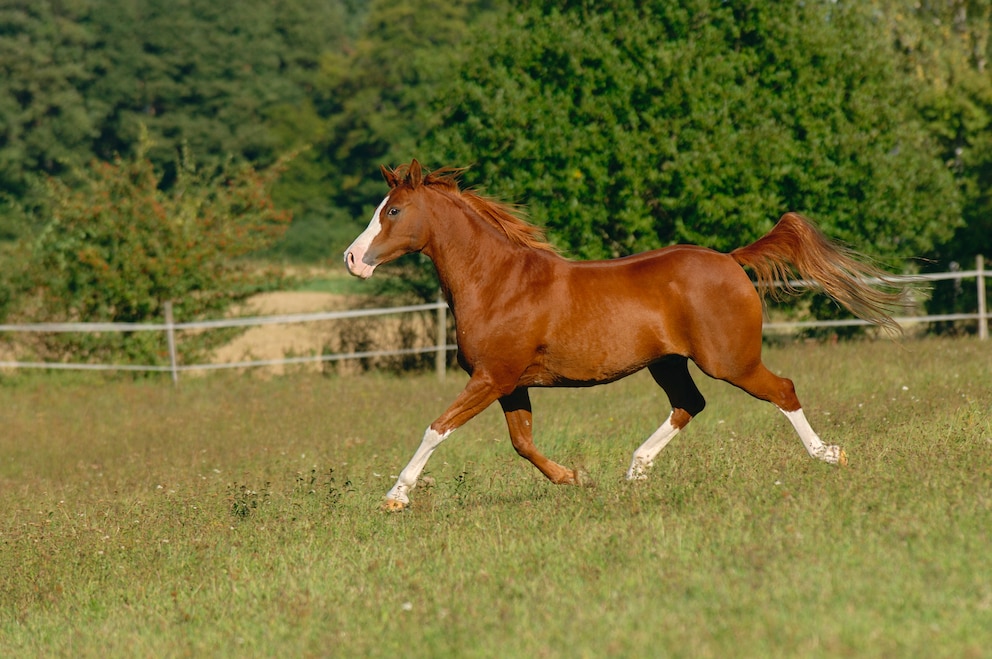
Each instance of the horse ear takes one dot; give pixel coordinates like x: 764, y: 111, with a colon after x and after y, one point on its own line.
x: 391, y: 178
x: 415, y: 174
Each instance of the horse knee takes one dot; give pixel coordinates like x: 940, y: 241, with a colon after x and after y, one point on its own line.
x: 695, y: 405
x: 681, y: 416
x: 687, y: 400
x: 684, y: 408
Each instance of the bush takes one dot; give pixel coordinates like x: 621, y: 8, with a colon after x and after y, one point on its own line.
x: 118, y: 246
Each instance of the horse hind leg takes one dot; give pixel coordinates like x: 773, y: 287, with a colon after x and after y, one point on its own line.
x: 672, y: 374
x: 519, y: 421
x: 765, y: 385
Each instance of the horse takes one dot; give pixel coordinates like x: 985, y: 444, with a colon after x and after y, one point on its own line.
x: 525, y: 316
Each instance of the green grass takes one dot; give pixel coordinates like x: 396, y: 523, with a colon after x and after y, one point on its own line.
x: 343, y: 284
x: 239, y: 517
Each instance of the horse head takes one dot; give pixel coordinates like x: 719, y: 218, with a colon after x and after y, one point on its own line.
x: 398, y: 226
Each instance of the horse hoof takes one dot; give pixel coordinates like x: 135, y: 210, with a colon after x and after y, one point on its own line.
x: 638, y: 471
x: 582, y: 478
x: 393, y: 506
x: 834, y: 455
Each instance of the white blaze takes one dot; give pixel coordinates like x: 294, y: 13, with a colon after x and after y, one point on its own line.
x: 354, y: 255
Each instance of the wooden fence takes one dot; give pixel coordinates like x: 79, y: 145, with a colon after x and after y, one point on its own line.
x: 440, y: 348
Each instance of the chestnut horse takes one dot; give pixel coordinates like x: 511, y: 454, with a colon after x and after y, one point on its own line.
x: 527, y: 317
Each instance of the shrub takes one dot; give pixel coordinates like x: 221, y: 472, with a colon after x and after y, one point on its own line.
x: 119, y: 245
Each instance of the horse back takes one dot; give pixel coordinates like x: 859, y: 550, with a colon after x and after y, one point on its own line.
x: 684, y: 280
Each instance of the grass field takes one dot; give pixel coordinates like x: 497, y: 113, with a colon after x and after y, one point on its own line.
x: 235, y: 516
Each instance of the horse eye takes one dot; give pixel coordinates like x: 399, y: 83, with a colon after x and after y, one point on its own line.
x: 392, y: 210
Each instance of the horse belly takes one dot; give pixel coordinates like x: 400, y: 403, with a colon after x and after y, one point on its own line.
x: 683, y: 301
x: 603, y: 351
x: 596, y: 344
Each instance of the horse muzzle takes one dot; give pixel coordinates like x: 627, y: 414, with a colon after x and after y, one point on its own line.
x: 354, y: 260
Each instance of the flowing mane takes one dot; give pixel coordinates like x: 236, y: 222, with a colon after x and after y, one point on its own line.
x: 504, y: 217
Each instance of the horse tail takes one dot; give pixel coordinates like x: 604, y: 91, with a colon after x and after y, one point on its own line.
x: 796, y: 247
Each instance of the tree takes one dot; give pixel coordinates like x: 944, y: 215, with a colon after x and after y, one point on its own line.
x: 45, y: 117
x: 118, y: 247
x: 80, y: 79
x: 636, y: 125
x: 206, y: 73
x: 946, y: 46
x: 373, y: 100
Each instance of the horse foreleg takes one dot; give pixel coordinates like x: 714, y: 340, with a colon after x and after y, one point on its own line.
x: 398, y: 497
x: 519, y: 421
x: 478, y: 394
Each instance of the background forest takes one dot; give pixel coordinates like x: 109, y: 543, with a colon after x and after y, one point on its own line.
x: 621, y: 125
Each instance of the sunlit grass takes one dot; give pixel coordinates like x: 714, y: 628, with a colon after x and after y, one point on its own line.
x: 335, y: 284
x: 236, y: 516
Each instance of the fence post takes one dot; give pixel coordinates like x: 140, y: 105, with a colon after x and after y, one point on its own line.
x: 983, y: 318
x: 170, y: 333
x: 441, y: 357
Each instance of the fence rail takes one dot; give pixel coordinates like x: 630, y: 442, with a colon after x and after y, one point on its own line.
x: 440, y: 348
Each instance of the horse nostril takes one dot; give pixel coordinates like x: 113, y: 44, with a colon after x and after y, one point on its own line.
x: 349, y: 259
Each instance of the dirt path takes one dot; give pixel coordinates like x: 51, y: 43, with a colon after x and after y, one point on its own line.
x: 278, y: 341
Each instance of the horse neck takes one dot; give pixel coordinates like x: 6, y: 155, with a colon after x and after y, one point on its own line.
x: 469, y: 254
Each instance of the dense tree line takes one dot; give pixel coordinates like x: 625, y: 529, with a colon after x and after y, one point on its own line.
x: 701, y: 122
x: 80, y: 79
x: 623, y: 125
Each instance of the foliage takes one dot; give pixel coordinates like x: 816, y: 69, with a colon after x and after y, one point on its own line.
x: 219, y: 77
x: 7, y: 287
x: 947, y: 46
x: 12, y: 256
x: 653, y: 124
x: 371, y: 103
x: 118, y: 247
x: 623, y: 124
x: 118, y: 501
x: 44, y: 110
x: 80, y: 79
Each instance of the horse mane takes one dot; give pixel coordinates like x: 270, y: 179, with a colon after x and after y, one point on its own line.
x: 505, y: 217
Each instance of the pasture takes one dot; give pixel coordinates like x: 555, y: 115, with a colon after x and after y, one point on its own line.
x: 236, y: 516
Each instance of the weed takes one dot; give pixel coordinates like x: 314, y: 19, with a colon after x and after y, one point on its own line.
x: 244, y: 500
x: 325, y: 483
x: 461, y: 489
